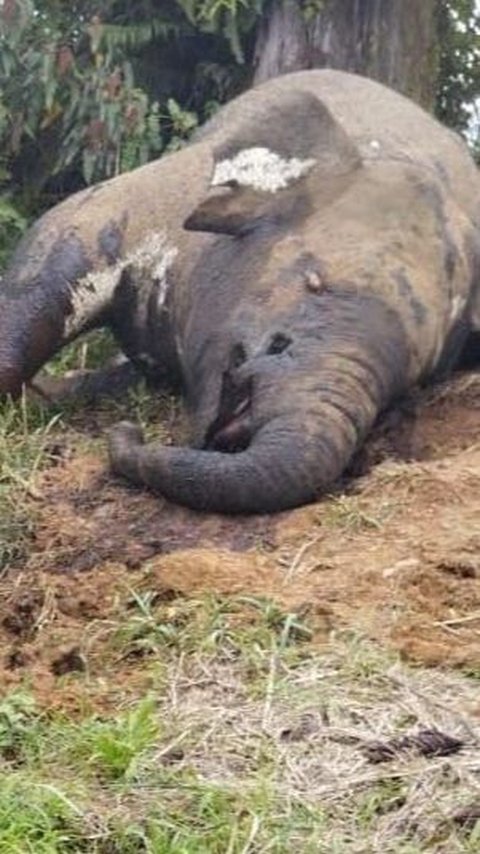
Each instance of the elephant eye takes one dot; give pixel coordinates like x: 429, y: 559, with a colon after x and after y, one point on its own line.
x: 278, y: 344
x: 237, y: 356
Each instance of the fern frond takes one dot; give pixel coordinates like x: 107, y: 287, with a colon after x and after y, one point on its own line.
x: 136, y: 36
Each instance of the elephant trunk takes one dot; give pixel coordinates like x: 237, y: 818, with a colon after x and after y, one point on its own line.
x: 277, y: 471
x: 36, y: 302
x: 291, y: 459
x: 30, y: 332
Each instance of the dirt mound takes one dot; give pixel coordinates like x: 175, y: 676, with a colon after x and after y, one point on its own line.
x: 396, y: 557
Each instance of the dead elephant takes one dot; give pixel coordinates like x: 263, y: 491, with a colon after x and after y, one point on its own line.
x: 330, y: 259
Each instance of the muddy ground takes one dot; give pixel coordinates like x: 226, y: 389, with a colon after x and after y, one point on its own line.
x: 394, y: 554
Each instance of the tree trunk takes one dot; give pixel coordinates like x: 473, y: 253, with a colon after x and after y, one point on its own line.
x: 393, y: 41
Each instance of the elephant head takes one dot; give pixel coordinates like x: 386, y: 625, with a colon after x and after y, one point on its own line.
x: 290, y: 414
x: 324, y: 297
x: 294, y: 403
x: 286, y: 367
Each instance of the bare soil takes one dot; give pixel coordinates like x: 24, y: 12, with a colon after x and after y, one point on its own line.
x: 394, y: 555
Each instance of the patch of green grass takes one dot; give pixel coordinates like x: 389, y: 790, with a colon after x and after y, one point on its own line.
x: 37, y: 818
x: 87, y: 353
x: 109, y: 748
x: 385, y: 796
x: 202, y: 765
x: 115, y: 747
x: 361, y: 661
x: 42, y: 807
x: 25, y: 435
x: 155, y: 411
x: 346, y: 512
x: 209, y: 818
x: 147, y: 406
x: 228, y: 627
x: 197, y: 817
x: 17, y: 723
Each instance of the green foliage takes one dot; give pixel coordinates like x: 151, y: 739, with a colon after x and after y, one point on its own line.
x: 182, y: 123
x: 246, y: 630
x: 90, y: 352
x: 17, y: 710
x: 37, y: 819
x: 12, y: 226
x: 68, y: 95
x: 83, y: 95
x: 72, y: 111
x: 231, y: 18
x: 459, y: 61
x: 114, y: 747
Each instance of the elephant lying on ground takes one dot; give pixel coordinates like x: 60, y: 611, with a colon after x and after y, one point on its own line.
x: 330, y: 259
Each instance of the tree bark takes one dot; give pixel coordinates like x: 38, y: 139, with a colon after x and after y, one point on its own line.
x: 393, y: 41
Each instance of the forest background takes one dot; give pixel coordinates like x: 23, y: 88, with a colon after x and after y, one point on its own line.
x: 89, y: 90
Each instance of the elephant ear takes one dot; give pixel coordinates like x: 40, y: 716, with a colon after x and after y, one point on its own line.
x: 259, y: 171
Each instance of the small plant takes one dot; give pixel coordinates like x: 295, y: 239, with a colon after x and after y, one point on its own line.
x: 146, y: 631
x: 17, y: 711
x: 385, y: 796
x: 288, y: 627
x: 182, y: 124
x: 115, y: 747
x: 362, y: 661
x: 346, y: 512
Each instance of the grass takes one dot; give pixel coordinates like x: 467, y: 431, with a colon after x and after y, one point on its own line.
x: 230, y: 624
x: 346, y: 512
x: 30, y: 433
x: 202, y: 764
x: 115, y: 747
x: 87, y: 353
x: 25, y: 431
x: 247, y: 740
x: 199, y: 818
x: 213, y: 723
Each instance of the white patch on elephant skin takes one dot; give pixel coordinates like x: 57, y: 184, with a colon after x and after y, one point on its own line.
x: 458, y: 303
x: 261, y: 169
x: 152, y: 258
x: 371, y: 149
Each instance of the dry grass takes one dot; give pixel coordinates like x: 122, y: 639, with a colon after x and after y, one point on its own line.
x: 283, y: 744
x: 178, y: 683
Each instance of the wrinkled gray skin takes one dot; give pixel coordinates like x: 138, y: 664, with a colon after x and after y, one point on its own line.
x: 310, y: 309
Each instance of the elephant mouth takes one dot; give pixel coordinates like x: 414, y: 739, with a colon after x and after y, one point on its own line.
x: 231, y: 431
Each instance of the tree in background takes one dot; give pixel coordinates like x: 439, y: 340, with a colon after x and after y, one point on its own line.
x: 90, y: 89
x: 393, y: 41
